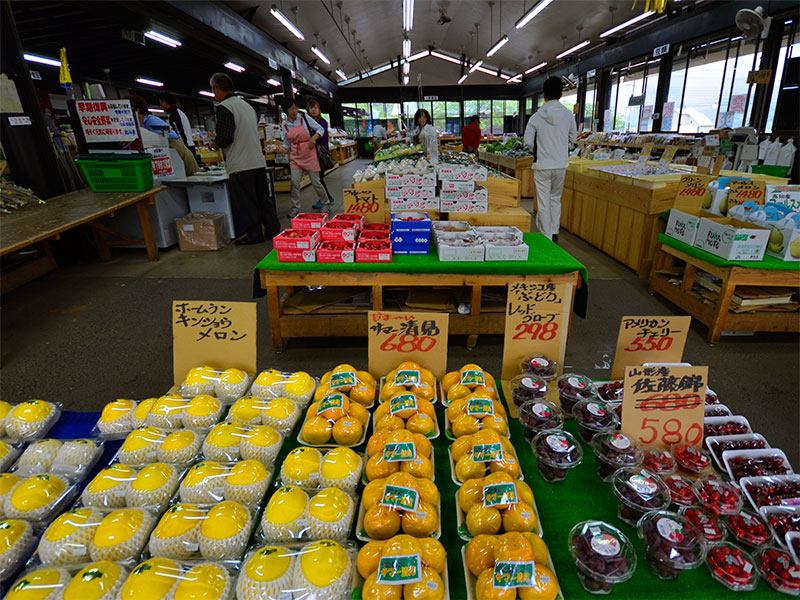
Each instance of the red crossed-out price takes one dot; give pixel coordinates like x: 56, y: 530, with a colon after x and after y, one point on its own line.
x: 408, y: 343
x: 653, y: 343
x: 536, y: 331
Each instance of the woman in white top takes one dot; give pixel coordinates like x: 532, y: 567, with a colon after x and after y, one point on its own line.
x: 425, y: 133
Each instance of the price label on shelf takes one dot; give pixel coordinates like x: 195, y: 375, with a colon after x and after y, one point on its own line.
x: 537, y: 322
x: 691, y: 189
x: 649, y: 339
x: 664, y: 405
x: 396, y: 337
x: 647, y: 150
x: 743, y: 190
x: 365, y: 202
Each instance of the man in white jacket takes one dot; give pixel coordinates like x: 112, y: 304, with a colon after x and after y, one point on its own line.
x: 549, y: 133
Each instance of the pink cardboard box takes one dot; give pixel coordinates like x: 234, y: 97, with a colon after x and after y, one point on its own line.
x: 336, y: 252
x: 374, y: 250
x: 296, y: 239
x: 309, y: 221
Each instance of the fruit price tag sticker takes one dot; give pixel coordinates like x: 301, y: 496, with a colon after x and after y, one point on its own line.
x: 649, y: 339
x: 402, y: 402
x: 217, y: 334
x: 365, y: 202
x: 513, y: 574
x: 537, y: 322
x: 401, y: 498
x: 499, y: 493
x: 480, y: 407
x: 407, y: 377
x: 330, y: 401
x: 647, y: 150
x: 396, y: 337
x: 743, y: 190
x: 487, y: 452
x: 346, y: 379
x: 664, y: 405
x: 399, y: 452
x: 399, y: 570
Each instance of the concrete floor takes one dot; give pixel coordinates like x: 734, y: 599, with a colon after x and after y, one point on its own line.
x: 89, y: 333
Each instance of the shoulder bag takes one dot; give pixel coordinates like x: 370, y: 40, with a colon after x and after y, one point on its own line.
x: 326, y: 162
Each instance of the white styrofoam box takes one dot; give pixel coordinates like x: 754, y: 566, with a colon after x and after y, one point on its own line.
x: 212, y: 198
x: 427, y: 178
x: 401, y: 204
x: 491, y: 230
x: 464, y: 206
x: 731, y: 240
x: 449, y: 172
x: 479, y: 194
x: 682, y: 226
x: 788, y: 195
x: 458, y: 186
x: 495, y: 252
x: 784, y: 242
x: 457, y: 253
x: 410, y: 191
x: 450, y: 226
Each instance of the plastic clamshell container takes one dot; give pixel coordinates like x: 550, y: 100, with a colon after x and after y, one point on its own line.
x: 289, y: 515
x: 724, y: 558
x: 226, y: 385
x: 176, y: 579
x: 748, y: 528
x: 710, y: 527
x: 147, y: 444
x: 592, y: 543
x: 706, y: 489
x: 274, y: 383
x: 72, y: 458
x: 312, y: 469
x: 672, y: 543
x: 208, y: 482
x: 463, y: 530
x: 717, y: 410
x: 31, y: 420
x: 780, y: 570
x: 750, y: 486
x: 122, y: 486
x: 716, y: 444
x: 39, y: 498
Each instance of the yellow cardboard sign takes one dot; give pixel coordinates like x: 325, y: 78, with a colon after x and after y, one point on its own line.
x: 396, y: 337
x: 692, y: 190
x: 537, y: 322
x: 743, y: 190
x: 664, y: 405
x: 647, y: 150
x: 649, y: 339
x: 763, y: 77
x: 218, y: 334
x: 365, y: 202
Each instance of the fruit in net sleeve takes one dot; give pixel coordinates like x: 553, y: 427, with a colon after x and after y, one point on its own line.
x: 207, y: 581
x: 317, y: 430
x: 301, y: 467
x: 381, y: 522
x: 76, y: 456
x: 268, y: 384
x: 199, y: 380
x: 66, y: 540
x: 179, y: 447
x: 154, y: 579
x: 101, y: 580
x: 261, y: 443
x: 166, y: 412
x: 153, y: 485
x: 231, y: 383
x: 202, y: 412
x: 369, y: 558
x: 140, y: 412
x: 35, y: 497
x: 7, y: 483
x: 247, y: 411
x: 285, y: 515
x: 5, y: 408
x: 330, y: 514
x: 421, y: 467
x: 324, y: 569
x: 779, y: 571
x: 109, y: 487
x: 6, y: 455
x: 482, y: 520
x: 16, y: 542
x: 281, y: 414
x: 225, y: 531
x: 223, y: 441
x: 38, y: 457
x: 30, y: 419
x: 176, y: 535
x: 246, y: 483
x: 299, y: 387
x: 121, y: 535
x: 116, y: 417
x: 41, y: 584
x: 341, y: 468
x: 141, y: 446
x: 423, y: 523
x: 265, y: 574
x: 203, y: 483
x: 347, y: 431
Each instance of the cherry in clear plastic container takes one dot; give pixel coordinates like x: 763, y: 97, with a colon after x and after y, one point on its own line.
x: 613, y: 451
x: 639, y: 491
x: 749, y: 529
x: 558, y: 451
x: 603, y: 556
x: 672, y: 543
x: 755, y: 463
x: 527, y: 387
x: 539, y: 415
x: 680, y: 489
x: 710, y: 527
x: 594, y: 416
x: 691, y: 461
x: 610, y: 391
x: 733, y: 567
x: 782, y: 520
x: 657, y: 460
x: 717, y: 444
x: 779, y: 570
x: 733, y: 425
x: 572, y: 388
x: 717, y: 410
x: 772, y: 490
x: 539, y: 365
x: 717, y: 496
x: 711, y: 397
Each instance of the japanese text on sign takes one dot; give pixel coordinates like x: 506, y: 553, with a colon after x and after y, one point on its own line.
x: 219, y: 334
x: 513, y: 574
x: 664, y: 405
x: 365, y: 202
x: 396, y: 337
x: 743, y: 190
x: 399, y: 570
x: 107, y: 121
x: 649, y: 339
x: 401, y: 498
x: 691, y: 187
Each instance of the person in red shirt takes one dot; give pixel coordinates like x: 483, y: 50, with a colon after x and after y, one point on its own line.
x: 471, y: 135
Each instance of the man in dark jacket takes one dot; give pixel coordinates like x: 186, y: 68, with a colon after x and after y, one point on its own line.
x: 178, y: 120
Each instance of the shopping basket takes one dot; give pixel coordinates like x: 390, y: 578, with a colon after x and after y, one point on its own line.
x: 117, y: 172
x: 772, y: 170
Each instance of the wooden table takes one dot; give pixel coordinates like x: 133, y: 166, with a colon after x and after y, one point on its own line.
x: 37, y: 223
x: 519, y: 168
x: 717, y: 316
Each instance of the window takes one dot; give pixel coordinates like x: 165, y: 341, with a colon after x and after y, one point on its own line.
x: 788, y: 50
x: 439, y: 115
x: 393, y: 115
x: 485, y: 113
x: 498, y: 112
x: 529, y: 106
x: 570, y: 99
x: 589, y: 103
x: 365, y: 119
x: 511, y: 117
x: 650, y: 87
x: 350, y: 120
x: 703, y: 84
x: 453, y: 124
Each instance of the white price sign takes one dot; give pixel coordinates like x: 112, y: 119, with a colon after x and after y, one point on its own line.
x: 107, y: 120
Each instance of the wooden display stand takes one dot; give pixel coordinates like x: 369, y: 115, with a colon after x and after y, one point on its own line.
x: 718, y: 316
x: 345, y: 153
x: 519, y: 168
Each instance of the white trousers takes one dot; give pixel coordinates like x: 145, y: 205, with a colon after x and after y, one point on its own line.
x: 549, y: 186
x: 322, y: 196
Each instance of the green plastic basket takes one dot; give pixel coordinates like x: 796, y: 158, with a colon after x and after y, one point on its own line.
x: 772, y: 170
x: 117, y: 172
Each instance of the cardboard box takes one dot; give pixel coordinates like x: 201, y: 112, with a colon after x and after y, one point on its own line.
x: 410, y: 221
x: 428, y: 178
x: 297, y: 255
x: 479, y: 194
x: 450, y: 226
x: 784, y: 243
x: 451, y: 172
x: 458, y: 186
x: 340, y: 232
x: 464, y: 206
x: 414, y: 249
x: 788, y: 195
x: 405, y: 204
x: 375, y: 235
x: 296, y: 239
x: 356, y: 221
x: 489, y: 231
x: 377, y: 227
x: 731, y: 239
x: 346, y: 254
x: 309, y: 221
x: 449, y: 251
x: 682, y: 225
x: 494, y: 251
x: 410, y: 191
x: 382, y: 254
x: 407, y: 238
x: 201, y: 232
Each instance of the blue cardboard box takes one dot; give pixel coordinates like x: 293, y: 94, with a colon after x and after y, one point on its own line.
x: 410, y: 226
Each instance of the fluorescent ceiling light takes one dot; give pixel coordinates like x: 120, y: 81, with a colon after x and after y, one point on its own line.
x: 340, y: 73
x: 487, y: 71
x: 408, y: 14
x: 406, y: 68
x: 451, y: 59
x: 405, y: 80
x: 515, y: 79
x: 377, y: 70
x: 319, y: 53
x: 536, y: 68
x: 155, y: 110
x: 406, y: 48
x: 274, y: 82
x: 573, y: 49
x: 205, y: 93
x: 164, y: 39
x: 627, y: 23
x: 286, y: 23
x: 528, y: 16
x: 152, y: 82
x: 499, y: 44
x: 234, y: 67
x: 419, y: 55
x: 504, y: 76
x: 463, y: 77
x: 41, y: 59
x: 476, y: 66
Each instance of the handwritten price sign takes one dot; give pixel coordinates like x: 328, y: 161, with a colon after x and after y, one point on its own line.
x: 664, y: 405
x: 365, y: 202
x: 649, y: 339
x: 396, y: 337
x: 744, y: 190
x: 647, y: 150
x: 691, y: 189
x: 537, y: 322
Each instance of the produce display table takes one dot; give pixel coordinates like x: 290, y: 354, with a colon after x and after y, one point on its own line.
x: 344, y: 153
x: 519, y: 168
x: 768, y: 272
x: 547, y: 262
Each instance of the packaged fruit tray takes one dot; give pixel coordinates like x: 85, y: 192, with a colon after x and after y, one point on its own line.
x: 312, y: 469
x: 122, y: 486
x: 29, y: 420
x: 464, y: 534
x: 471, y: 580
x: 458, y: 482
x: 210, y: 482
x: 431, y: 436
x: 733, y: 425
x: 755, y: 463
x: 432, y: 458
x: 361, y: 534
x: 717, y: 444
x: 72, y: 458
x: 332, y: 443
x: 439, y: 395
x: 781, y: 521
x: 358, y: 589
x: 775, y: 490
x: 448, y: 431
